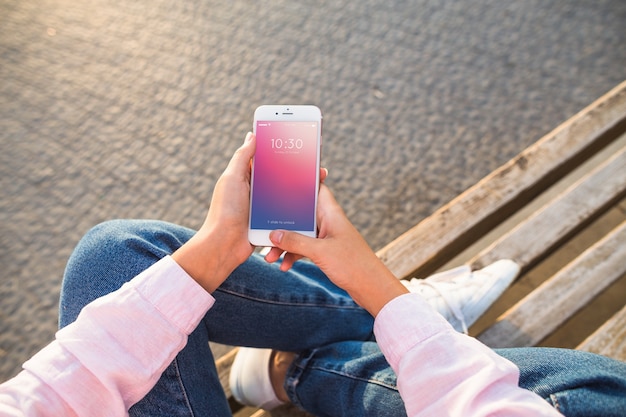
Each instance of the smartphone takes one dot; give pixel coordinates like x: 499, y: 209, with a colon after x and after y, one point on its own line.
x: 285, y: 171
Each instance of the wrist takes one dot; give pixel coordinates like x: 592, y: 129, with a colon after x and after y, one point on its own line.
x: 206, y: 260
x: 377, y: 288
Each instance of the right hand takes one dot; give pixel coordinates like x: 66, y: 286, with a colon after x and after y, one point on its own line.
x: 342, y: 254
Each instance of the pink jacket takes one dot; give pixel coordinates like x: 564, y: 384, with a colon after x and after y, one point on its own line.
x: 120, y: 344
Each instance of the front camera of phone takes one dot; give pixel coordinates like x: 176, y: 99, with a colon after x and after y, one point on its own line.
x: 276, y: 113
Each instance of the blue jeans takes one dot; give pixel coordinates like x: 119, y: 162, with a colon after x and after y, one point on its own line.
x: 339, y: 369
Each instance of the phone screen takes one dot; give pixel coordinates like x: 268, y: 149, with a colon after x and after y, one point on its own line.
x: 285, y: 176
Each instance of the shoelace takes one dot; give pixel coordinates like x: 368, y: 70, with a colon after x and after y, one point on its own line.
x: 456, y: 312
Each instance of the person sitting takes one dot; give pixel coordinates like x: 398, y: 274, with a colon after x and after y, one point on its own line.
x: 141, y: 299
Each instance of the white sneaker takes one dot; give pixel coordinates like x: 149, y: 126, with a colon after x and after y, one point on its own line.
x: 462, y: 296
x: 249, y: 379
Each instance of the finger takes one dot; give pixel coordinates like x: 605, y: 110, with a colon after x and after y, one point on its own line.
x: 288, y: 261
x: 273, y: 255
x: 326, y: 203
x: 327, y: 195
x: 291, y: 259
x: 323, y: 174
x: 240, y: 162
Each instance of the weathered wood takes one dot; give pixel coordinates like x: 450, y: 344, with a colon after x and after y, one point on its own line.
x: 549, y: 305
x: 468, y: 217
x: 609, y: 339
x: 557, y: 221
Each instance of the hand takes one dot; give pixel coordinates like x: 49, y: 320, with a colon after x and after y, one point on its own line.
x: 342, y: 254
x: 222, y: 244
x: 290, y: 258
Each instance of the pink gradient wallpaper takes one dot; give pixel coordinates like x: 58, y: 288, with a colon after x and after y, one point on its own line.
x: 285, y: 176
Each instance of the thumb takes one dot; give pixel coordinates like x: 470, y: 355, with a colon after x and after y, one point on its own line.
x: 293, y: 242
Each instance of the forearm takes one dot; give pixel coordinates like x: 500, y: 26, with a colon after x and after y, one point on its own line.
x: 375, y: 287
x: 442, y: 372
x: 116, y: 350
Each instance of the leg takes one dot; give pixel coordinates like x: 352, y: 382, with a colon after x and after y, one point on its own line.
x: 344, y: 379
x: 108, y: 256
x: 260, y: 306
x: 111, y: 254
x: 576, y: 383
x: 247, y: 304
x: 358, y: 381
x: 310, y: 309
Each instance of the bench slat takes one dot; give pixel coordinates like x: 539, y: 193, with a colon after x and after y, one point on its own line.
x: 552, y: 303
x: 432, y: 242
x: 557, y: 221
x: 609, y: 339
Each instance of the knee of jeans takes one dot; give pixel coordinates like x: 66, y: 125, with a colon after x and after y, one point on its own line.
x: 108, y: 237
x: 112, y: 253
x: 86, y: 277
x: 108, y: 255
x: 128, y: 242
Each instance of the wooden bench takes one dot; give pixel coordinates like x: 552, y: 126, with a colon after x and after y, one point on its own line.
x: 559, y: 210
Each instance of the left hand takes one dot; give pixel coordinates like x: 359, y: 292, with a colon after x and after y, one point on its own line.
x: 222, y: 243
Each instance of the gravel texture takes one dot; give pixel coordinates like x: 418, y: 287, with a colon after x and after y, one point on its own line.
x: 115, y: 109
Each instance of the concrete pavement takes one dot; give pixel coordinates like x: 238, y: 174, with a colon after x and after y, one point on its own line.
x: 114, y: 109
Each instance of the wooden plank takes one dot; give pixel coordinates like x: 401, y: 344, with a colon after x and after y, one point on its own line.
x: 610, y: 339
x: 572, y: 210
x: 430, y: 243
x: 549, y: 305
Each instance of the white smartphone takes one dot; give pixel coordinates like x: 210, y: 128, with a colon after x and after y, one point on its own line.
x: 285, y: 171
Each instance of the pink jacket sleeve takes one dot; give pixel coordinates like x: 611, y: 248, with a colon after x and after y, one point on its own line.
x: 115, y: 351
x: 445, y: 373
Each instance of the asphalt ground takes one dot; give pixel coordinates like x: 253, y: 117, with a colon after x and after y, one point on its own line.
x: 115, y: 109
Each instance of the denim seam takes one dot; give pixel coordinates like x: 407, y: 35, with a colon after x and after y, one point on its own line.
x: 297, y: 369
x: 292, y: 379
x: 356, y: 378
x: 555, y: 403
x: 182, y: 387
x: 291, y: 304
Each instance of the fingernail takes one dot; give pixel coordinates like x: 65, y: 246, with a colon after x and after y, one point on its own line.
x: 276, y: 236
x: 248, y: 137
